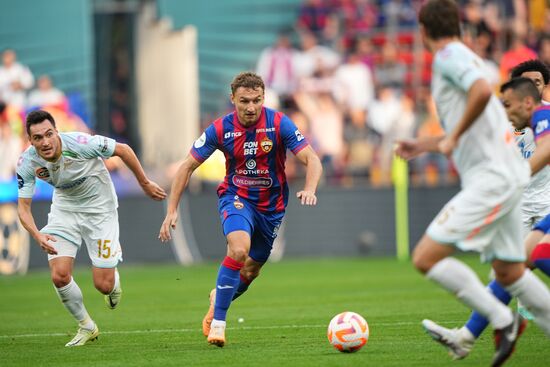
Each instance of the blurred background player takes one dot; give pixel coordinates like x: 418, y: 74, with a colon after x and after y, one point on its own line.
x: 485, y: 215
x: 254, y: 193
x: 84, y: 208
x: 519, y: 105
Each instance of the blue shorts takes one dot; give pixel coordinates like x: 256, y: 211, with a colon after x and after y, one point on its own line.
x: 543, y: 225
x: 238, y: 214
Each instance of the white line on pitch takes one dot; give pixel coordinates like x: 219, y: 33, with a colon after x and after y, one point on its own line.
x: 120, y: 332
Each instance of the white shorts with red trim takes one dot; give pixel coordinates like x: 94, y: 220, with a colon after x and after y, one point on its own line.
x: 484, y: 217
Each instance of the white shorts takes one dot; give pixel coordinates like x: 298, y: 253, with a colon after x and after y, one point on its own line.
x: 483, y: 217
x: 99, y: 231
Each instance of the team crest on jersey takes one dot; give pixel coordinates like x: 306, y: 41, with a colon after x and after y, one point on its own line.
x: 237, y: 203
x: 42, y: 173
x: 266, y: 144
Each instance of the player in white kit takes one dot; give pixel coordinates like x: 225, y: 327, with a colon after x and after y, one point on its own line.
x: 84, y: 209
x: 485, y: 215
x: 535, y: 206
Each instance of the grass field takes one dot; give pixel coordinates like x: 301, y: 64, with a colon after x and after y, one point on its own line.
x: 286, y: 312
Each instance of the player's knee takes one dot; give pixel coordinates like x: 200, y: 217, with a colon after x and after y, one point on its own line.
x: 238, y: 254
x: 61, y: 278
x: 421, y: 263
x: 103, y: 286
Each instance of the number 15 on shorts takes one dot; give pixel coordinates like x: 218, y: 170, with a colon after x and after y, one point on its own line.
x: 104, y: 248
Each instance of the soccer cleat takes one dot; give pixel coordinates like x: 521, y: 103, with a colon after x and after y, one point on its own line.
x: 207, y: 320
x: 458, y: 346
x: 506, y: 338
x: 524, y: 312
x: 83, y: 336
x: 217, y: 335
x: 113, y: 299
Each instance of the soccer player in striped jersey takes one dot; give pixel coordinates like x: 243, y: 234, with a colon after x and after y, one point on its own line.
x: 254, y: 193
x: 485, y: 215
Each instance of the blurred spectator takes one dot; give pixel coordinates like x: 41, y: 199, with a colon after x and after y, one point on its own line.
x: 354, y: 88
x: 15, y: 80
x: 517, y: 54
x: 392, y: 116
x: 326, y: 128
x: 313, y: 16
x: 10, y: 146
x: 315, y: 58
x: 390, y: 72
x: 365, y: 51
x: 397, y: 13
x: 46, y: 94
x: 277, y: 67
x: 544, y: 49
x: 482, y: 46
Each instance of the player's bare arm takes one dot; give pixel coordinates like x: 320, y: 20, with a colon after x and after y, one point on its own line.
x: 314, y: 169
x: 412, y: 148
x: 181, y: 180
x: 26, y: 218
x: 128, y: 156
x: 478, y: 96
x: 541, y: 156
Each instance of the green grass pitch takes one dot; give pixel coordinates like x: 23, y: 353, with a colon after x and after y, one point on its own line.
x: 285, y: 312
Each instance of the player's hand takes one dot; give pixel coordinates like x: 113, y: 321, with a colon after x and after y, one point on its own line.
x: 169, y: 223
x: 408, y: 149
x: 307, y: 197
x: 154, y: 191
x: 447, y: 145
x: 43, y: 239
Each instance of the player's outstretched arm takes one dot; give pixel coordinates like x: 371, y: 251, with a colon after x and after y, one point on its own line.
x: 126, y: 153
x: 314, y: 170
x: 27, y: 220
x: 412, y: 148
x: 181, y: 180
x: 541, y: 156
x: 478, y: 96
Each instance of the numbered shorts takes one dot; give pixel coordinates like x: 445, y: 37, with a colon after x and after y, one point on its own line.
x: 237, y: 214
x: 99, y: 231
x: 485, y: 218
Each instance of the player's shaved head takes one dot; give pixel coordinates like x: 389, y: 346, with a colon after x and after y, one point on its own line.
x: 523, y: 87
x: 440, y: 18
x: 247, y: 79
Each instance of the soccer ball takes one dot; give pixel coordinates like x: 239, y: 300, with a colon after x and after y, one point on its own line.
x: 348, y: 332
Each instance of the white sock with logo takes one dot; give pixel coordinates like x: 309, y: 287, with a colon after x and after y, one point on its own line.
x: 460, y: 280
x: 535, y: 297
x: 71, y: 297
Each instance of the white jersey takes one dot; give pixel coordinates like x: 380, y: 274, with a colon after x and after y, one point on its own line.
x: 80, y: 178
x: 488, y: 144
x: 536, y: 198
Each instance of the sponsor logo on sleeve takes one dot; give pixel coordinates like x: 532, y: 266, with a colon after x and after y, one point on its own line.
x: 105, y: 145
x: 200, y: 141
x: 20, y: 181
x: 237, y: 203
x: 299, y: 135
x: 541, y: 126
x: 82, y: 139
x: 266, y: 144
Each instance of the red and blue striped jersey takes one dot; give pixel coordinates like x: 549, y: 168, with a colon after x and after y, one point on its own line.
x: 254, y: 156
x: 540, y: 121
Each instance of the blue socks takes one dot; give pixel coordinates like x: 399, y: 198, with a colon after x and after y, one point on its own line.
x: 226, y: 286
x: 477, y: 323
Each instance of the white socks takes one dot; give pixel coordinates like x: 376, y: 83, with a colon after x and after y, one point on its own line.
x: 217, y: 323
x: 535, y: 297
x: 460, y: 280
x: 72, y: 299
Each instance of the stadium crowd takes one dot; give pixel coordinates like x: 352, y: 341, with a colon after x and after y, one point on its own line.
x: 352, y: 74
x: 358, y: 77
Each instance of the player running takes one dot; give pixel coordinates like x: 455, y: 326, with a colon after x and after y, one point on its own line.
x: 84, y: 208
x: 485, y: 215
x: 254, y: 193
x: 535, y: 206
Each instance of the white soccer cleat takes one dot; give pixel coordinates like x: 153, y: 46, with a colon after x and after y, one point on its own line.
x: 217, y: 333
x: 83, y: 336
x: 458, y: 346
x: 113, y: 299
